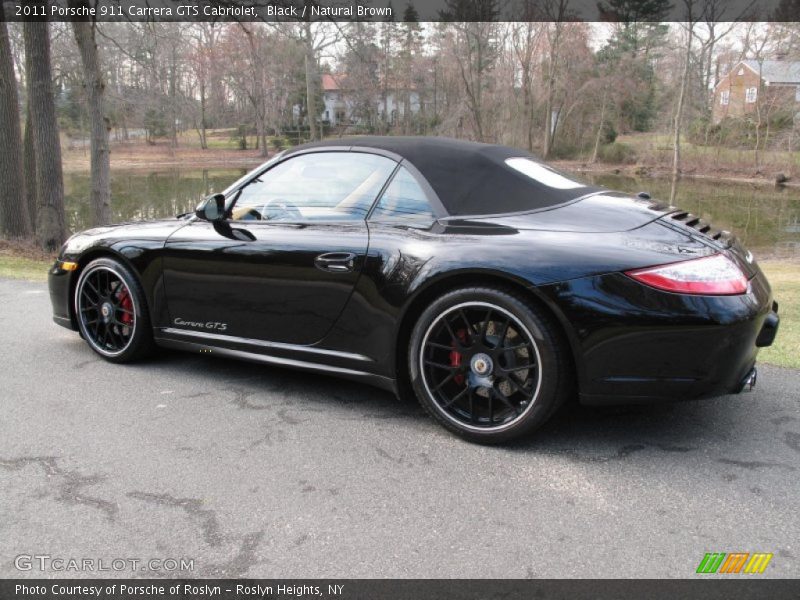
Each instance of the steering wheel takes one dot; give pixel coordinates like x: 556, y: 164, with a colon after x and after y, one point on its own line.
x: 278, y: 209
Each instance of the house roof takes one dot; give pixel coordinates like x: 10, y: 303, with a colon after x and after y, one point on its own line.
x: 776, y: 71
x: 330, y: 83
x: 336, y: 82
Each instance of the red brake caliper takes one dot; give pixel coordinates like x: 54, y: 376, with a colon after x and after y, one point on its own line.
x: 125, y: 302
x: 455, y: 355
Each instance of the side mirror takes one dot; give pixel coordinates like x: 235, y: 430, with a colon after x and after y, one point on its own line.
x: 212, y: 208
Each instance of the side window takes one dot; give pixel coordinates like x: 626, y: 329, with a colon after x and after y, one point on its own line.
x: 321, y: 186
x: 403, y: 199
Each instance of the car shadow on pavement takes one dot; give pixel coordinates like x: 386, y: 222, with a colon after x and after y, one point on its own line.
x: 255, y: 385
x: 614, y: 431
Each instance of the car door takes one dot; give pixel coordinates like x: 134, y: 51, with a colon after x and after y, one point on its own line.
x: 283, y: 265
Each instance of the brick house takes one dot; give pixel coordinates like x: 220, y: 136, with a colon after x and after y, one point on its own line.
x: 751, y: 83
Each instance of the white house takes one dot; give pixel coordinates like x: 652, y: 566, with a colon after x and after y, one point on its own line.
x: 338, y: 107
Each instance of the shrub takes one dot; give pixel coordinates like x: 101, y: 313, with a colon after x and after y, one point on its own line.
x: 617, y: 153
x: 278, y: 143
x: 697, y: 131
x: 564, y: 150
x: 609, y: 134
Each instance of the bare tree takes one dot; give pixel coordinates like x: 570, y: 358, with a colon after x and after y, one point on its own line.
x: 14, y: 218
x: 94, y: 85
x: 676, y: 132
x: 204, y: 36
x: 256, y: 91
x: 50, y: 221
x: 717, y: 23
x: 312, y: 77
x: 525, y: 42
x: 313, y: 38
x: 557, y: 11
x: 756, y: 42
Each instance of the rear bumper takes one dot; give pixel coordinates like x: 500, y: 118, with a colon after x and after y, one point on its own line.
x: 769, y: 329
x: 635, y: 344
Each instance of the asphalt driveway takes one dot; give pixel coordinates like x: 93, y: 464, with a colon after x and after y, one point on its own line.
x: 262, y: 472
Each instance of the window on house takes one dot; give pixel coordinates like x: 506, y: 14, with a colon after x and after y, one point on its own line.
x: 741, y: 71
x: 725, y: 97
x: 750, y: 95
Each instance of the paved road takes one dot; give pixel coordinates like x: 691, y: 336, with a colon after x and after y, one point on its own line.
x: 262, y: 472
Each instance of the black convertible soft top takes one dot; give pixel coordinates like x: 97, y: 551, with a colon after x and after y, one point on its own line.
x: 472, y: 178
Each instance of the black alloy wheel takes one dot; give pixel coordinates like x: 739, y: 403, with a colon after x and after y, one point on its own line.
x: 110, y: 309
x: 487, y: 364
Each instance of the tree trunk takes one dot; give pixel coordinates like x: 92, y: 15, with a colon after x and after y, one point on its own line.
x: 14, y: 218
x: 551, y: 84
x: 29, y: 165
x: 261, y: 133
x: 264, y: 149
x: 527, y: 104
x: 95, y: 92
x: 202, y: 131
x: 676, y: 139
x: 173, y: 96
x: 599, y: 130
x: 50, y: 221
x: 311, y: 92
x: 548, y: 126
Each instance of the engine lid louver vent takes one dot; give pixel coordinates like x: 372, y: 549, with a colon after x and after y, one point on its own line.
x: 704, y: 227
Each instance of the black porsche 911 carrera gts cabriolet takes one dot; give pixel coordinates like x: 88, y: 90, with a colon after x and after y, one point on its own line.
x: 474, y: 276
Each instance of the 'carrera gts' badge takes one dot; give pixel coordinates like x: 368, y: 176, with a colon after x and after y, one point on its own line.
x: 208, y: 325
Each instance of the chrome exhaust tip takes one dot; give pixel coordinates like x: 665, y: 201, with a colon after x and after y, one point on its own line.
x: 749, y: 381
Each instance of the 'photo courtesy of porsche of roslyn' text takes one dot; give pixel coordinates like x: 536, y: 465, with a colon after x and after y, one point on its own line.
x: 399, y: 299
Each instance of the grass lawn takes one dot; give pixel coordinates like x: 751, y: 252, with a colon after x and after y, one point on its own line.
x: 16, y: 267
x: 785, y: 280
x: 783, y: 276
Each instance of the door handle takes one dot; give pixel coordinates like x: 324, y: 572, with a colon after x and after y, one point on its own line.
x: 336, y: 262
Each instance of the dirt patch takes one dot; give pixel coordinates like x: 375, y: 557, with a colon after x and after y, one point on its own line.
x: 162, y: 154
x: 24, y: 249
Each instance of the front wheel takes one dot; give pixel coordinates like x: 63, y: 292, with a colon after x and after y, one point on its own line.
x: 112, y: 312
x: 487, y: 364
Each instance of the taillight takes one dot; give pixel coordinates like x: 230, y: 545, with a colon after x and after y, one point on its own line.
x: 710, y: 275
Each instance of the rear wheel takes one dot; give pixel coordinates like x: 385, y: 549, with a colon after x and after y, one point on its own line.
x: 111, y: 311
x: 487, y: 364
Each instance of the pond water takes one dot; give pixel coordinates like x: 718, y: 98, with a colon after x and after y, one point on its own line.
x: 767, y: 219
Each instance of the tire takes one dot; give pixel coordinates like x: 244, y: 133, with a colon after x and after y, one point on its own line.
x: 465, y: 348
x: 111, y: 311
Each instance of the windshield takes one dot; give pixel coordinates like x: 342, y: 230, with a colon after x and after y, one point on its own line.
x: 247, y: 176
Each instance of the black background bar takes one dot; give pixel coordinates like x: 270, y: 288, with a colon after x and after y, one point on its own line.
x: 428, y: 10
x: 707, y: 587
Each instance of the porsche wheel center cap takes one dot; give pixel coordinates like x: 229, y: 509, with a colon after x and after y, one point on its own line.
x: 481, y: 364
x: 105, y: 310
